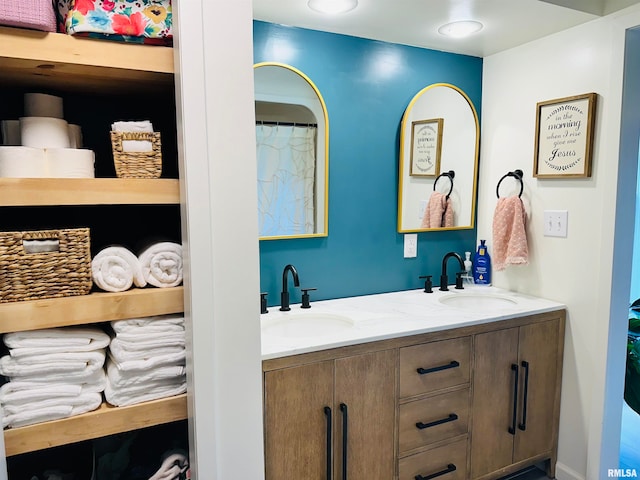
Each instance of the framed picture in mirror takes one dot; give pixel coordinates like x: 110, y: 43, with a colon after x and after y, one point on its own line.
x: 426, y: 147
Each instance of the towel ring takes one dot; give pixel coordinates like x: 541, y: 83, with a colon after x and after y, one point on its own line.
x: 517, y: 174
x: 450, y: 174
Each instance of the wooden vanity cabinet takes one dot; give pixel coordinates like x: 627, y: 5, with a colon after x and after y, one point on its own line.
x: 332, y: 419
x: 516, y: 397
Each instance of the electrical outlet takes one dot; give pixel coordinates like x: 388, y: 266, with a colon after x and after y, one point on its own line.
x: 555, y: 223
x: 421, y: 209
x: 410, y: 245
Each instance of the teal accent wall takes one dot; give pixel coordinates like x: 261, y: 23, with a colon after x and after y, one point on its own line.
x: 366, y: 85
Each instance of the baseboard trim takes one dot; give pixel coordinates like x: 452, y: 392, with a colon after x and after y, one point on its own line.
x: 565, y: 473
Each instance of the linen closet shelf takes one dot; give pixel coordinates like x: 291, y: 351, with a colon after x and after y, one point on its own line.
x: 31, y: 60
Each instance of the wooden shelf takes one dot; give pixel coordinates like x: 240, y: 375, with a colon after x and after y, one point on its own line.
x: 55, y: 60
x: 106, y: 420
x: 92, y: 308
x: 88, y: 191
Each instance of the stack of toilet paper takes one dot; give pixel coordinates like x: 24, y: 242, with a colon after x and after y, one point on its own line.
x: 42, y: 144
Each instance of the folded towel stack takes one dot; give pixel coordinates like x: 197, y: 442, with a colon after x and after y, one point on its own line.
x: 146, y: 360
x: 53, y: 373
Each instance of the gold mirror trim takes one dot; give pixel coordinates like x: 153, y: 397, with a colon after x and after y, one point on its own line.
x: 403, y: 125
x: 325, y: 113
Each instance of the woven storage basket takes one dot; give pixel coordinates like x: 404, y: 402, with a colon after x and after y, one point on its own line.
x: 137, y: 164
x: 30, y: 276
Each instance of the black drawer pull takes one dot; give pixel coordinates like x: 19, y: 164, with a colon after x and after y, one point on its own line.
x: 345, y: 439
x: 523, y: 425
x: 450, y: 468
x: 453, y: 364
x: 327, y: 412
x: 512, y: 428
x: 450, y: 418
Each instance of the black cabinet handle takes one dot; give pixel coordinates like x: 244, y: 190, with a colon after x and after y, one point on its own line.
x: 512, y: 428
x: 345, y: 439
x: 439, y: 368
x: 450, y: 418
x: 450, y: 468
x: 523, y: 425
x: 327, y: 412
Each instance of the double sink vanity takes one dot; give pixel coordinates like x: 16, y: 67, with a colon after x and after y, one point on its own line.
x: 412, y: 385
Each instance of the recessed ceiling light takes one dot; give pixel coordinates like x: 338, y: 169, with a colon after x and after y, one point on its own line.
x: 460, y: 29
x: 332, y: 6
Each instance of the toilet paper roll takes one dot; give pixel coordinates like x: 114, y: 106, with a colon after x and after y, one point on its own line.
x: 11, y: 132
x: 43, y: 105
x: 75, y: 136
x: 23, y: 162
x: 44, y: 132
x: 70, y: 163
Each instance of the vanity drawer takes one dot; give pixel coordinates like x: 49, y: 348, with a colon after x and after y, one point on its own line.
x: 448, y: 462
x: 433, y: 366
x: 433, y: 419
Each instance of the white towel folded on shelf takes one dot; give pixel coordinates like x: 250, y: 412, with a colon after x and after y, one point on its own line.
x: 55, y: 340
x: 116, y: 269
x: 20, y: 392
x: 122, y: 378
x: 162, y: 264
x: 53, y: 367
x: 43, y: 412
x: 134, y: 145
x: 122, y: 355
x: 144, y: 392
x: 149, y: 325
x: 145, y: 364
x: 149, y: 343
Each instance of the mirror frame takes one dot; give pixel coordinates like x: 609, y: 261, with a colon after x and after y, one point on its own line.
x: 405, y: 127
x: 325, y: 232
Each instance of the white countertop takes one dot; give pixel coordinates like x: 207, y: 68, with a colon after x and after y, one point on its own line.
x: 349, y: 321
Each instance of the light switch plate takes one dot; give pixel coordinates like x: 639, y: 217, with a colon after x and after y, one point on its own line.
x: 410, y: 245
x: 555, y: 223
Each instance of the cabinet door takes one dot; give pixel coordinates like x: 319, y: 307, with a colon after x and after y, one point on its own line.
x: 539, y: 363
x: 366, y: 385
x: 493, y: 401
x: 296, y: 425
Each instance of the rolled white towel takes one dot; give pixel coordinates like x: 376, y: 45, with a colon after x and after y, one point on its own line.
x: 55, y: 340
x: 155, y: 324
x: 53, y: 366
x: 47, y: 410
x: 139, y: 393
x: 162, y: 264
x: 172, y: 466
x: 116, y: 269
x: 122, y: 378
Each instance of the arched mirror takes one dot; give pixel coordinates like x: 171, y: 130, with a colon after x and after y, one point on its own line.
x: 292, y: 148
x: 439, y: 140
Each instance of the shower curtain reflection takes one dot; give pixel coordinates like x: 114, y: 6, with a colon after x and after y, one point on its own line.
x: 286, y: 179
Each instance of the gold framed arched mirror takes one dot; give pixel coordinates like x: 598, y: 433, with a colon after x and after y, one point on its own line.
x: 439, y: 143
x: 292, y: 149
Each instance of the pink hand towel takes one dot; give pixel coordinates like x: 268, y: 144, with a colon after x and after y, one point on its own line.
x: 439, y: 212
x: 509, y: 235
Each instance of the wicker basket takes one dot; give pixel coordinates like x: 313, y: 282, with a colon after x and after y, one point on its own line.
x: 137, y: 164
x: 30, y: 276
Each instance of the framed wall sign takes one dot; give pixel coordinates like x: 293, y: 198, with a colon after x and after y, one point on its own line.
x: 564, y: 137
x: 426, y: 145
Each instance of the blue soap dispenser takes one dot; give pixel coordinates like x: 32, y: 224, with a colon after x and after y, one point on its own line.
x: 482, y: 265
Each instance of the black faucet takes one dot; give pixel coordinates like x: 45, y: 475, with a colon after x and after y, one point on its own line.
x: 444, y: 280
x: 284, y: 296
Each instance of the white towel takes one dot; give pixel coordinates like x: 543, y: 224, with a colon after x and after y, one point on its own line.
x: 144, y: 364
x: 43, y: 412
x: 53, y: 367
x: 139, y: 393
x: 122, y: 378
x: 116, y: 269
x: 55, y: 340
x: 173, y: 354
x: 20, y: 392
x: 150, y: 343
x: 172, y: 466
x: 162, y: 264
x: 155, y: 324
x: 134, y: 145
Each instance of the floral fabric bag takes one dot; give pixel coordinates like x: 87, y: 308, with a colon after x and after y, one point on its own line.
x: 137, y: 21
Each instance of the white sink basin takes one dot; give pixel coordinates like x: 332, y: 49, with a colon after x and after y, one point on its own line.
x: 477, y: 301
x: 308, y: 324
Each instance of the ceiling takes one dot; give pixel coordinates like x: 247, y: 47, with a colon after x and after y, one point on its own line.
x: 507, y: 23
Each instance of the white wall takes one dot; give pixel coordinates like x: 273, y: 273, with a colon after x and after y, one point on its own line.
x: 577, y: 270
x: 214, y: 85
